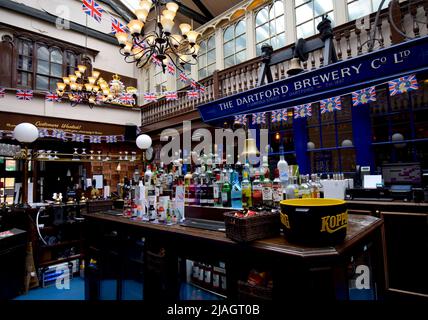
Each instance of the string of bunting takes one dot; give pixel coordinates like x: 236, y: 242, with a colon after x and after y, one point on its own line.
x: 359, y: 97
x: 68, y: 136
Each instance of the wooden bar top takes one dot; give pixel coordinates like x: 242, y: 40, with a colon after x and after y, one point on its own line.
x: 359, y: 227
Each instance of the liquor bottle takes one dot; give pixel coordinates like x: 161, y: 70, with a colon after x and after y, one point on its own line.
x: 304, y: 189
x: 276, y: 189
x: 236, y: 192
x: 187, y: 183
x: 197, y: 190
x: 204, y: 191
x: 210, y: 188
x: 320, y: 187
x: 257, y: 190
x: 195, y: 272
x: 246, y: 191
x: 148, y: 176
x: 208, y: 276
x: 217, y: 191
x: 283, y: 169
x: 292, y: 190
x: 267, y: 195
x: 226, y: 193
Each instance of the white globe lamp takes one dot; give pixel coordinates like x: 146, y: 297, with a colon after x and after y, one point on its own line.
x: 26, y: 132
x: 398, y: 137
x: 311, y: 145
x: 143, y: 141
x: 347, y: 143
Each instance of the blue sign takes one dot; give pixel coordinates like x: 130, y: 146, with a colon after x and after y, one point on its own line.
x: 332, y: 80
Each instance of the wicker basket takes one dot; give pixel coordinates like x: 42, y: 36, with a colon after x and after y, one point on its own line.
x: 250, y: 292
x: 260, y: 226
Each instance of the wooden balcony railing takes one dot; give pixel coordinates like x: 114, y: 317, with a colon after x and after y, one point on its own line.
x: 349, y: 41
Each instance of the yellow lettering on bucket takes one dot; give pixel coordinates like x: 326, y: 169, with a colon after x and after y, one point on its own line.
x: 331, y: 224
x: 285, y: 221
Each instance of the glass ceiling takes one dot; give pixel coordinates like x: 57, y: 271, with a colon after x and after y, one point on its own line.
x: 131, y: 4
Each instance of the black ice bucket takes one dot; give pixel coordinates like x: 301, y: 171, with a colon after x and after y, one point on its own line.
x: 315, y: 222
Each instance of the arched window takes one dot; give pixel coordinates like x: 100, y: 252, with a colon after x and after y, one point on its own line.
x: 49, y: 68
x: 206, y: 59
x: 270, y: 26
x: 71, y: 61
x: 234, y: 44
x: 309, y: 14
x: 25, y: 63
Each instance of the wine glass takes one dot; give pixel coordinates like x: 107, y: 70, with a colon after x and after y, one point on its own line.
x: 75, y: 154
x: 92, y: 155
x: 48, y: 154
x: 126, y: 155
x: 120, y: 156
x: 83, y: 153
x: 99, y: 155
x: 55, y: 155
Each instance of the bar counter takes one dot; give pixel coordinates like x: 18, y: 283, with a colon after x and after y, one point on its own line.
x: 298, y: 271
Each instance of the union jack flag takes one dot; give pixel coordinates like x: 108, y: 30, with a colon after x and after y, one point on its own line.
x: 279, y: 115
x: 111, y: 139
x: 170, y: 68
x: 259, y: 118
x: 193, y: 94
x: 2, y: 92
x: 241, y: 119
x: 193, y: 83
x: 93, y: 9
x: 95, y: 139
x: 24, y: 94
x: 363, y: 96
x: 202, y: 89
x: 403, y: 84
x: 53, y: 97
x: 127, y: 98
x: 150, y: 96
x: 75, y: 98
x: 170, y: 96
x: 116, y: 26
x: 59, y: 134
x: 156, y: 61
x: 330, y: 104
x: 43, y: 133
x: 183, y: 77
x: 77, y: 137
x: 302, y: 111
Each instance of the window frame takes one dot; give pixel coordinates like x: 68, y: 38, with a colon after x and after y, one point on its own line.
x: 205, y: 52
x: 234, y: 53
x: 314, y: 17
x: 35, y: 45
x: 271, y: 19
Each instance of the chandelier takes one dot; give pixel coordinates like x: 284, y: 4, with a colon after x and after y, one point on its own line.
x: 80, y: 88
x: 158, y: 45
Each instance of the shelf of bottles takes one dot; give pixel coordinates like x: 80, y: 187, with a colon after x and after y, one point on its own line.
x: 213, y: 184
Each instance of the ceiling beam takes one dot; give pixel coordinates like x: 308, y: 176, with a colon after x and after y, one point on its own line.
x: 192, y: 14
x: 204, y: 9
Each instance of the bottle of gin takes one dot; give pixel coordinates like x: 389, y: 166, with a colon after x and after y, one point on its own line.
x: 236, y: 192
x: 246, y: 190
x: 226, y: 193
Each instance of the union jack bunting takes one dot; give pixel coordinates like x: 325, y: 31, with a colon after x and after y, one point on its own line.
x: 127, y: 98
x: 77, y: 137
x: 302, y: 111
x: 241, y: 119
x: 259, y: 118
x: 2, y: 92
x: 403, y: 84
x: 43, y: 133
x: 279, y: 115
x: 93, y: 9
x: 24, y: 94
x: 95, y: 139
x: 330, y: 104
x: 150, y: 96
x: 111, y: 139
x: 193, y: 94
x: 183, y: 77
x: 116, y: 26
x: 171, y: 96
x: 75, y: 98
x: 170, y: 68
x: 156, y: 61
x: 59, y: 134
x: 363, y: 96
x: 193, y: 83
x: 52, y: 97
